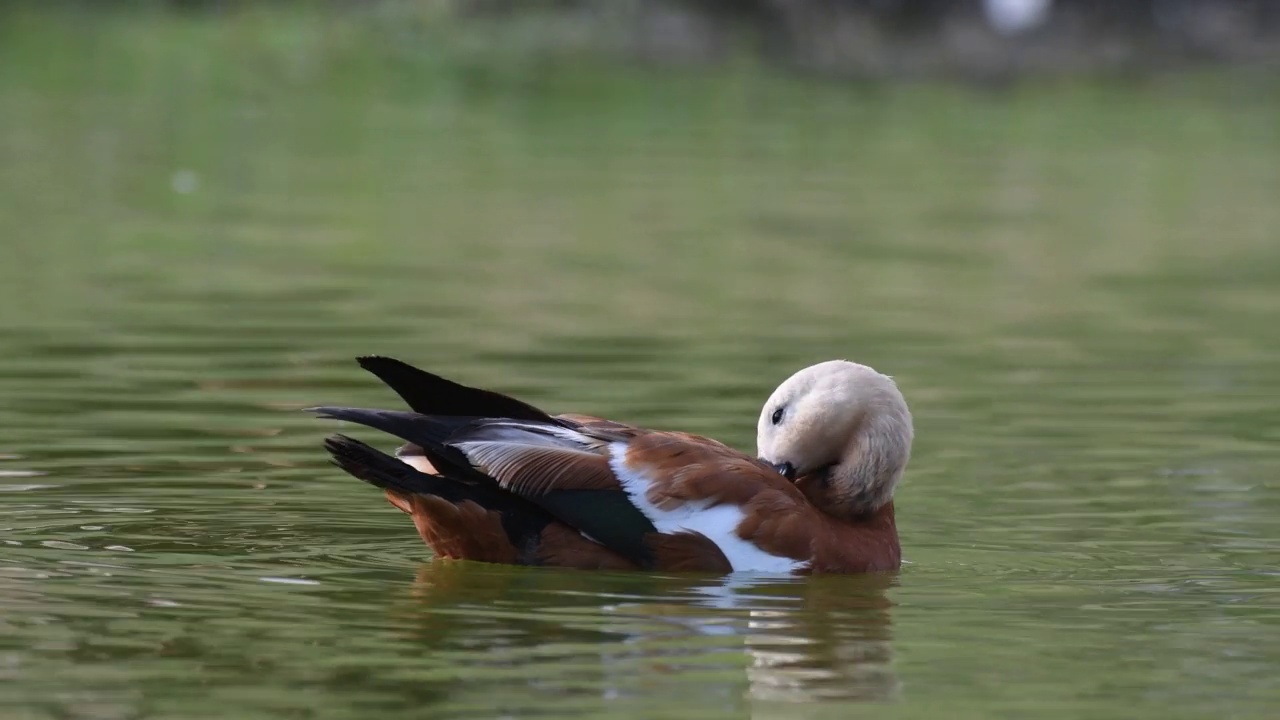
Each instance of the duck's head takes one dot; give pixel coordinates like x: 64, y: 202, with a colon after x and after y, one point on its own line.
x: 842, y: 432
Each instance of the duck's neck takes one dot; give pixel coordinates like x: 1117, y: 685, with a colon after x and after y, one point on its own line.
x: 869, y: 544
x: 844, y: 500
x: 882, y: 518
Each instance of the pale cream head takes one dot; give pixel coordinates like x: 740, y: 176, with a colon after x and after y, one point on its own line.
x: 844, y: 430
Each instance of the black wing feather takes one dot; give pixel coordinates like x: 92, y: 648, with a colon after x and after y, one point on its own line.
x: 430, y: 394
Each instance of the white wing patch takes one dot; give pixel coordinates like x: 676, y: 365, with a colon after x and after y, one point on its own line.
x: 419, y: 463
x: 718, y: 523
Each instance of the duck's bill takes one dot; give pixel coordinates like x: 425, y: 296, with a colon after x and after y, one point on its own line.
x: 786, y: 470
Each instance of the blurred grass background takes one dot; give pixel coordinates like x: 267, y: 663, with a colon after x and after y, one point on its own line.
x: 464, y: 179
x: 516, y: 141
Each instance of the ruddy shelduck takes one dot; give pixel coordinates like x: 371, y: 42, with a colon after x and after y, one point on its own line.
x: 490, y: 478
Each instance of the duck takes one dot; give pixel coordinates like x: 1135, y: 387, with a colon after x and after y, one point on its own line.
x: 487, y: 477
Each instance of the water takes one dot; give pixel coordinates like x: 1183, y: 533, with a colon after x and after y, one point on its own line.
x: 204, y: 219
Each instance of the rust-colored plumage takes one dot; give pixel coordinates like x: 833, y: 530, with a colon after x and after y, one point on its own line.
x: 462, y: 530
x: 489, y: 478
x: 688, y: 552
x: 562, y: 546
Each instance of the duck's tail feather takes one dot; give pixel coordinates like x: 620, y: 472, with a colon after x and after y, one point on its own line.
x: 381, y: 470
x: 457, y: 519
x: 430, y: 394
x: 425, y: 432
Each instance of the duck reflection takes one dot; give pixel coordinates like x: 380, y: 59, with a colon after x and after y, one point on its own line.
x: 832, y: 642
x: 750, y: 639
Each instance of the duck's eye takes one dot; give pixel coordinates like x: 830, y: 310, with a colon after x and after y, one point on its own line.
x: 777, y: 416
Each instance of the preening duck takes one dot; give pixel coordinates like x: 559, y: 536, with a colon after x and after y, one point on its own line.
x: 490, y: 478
